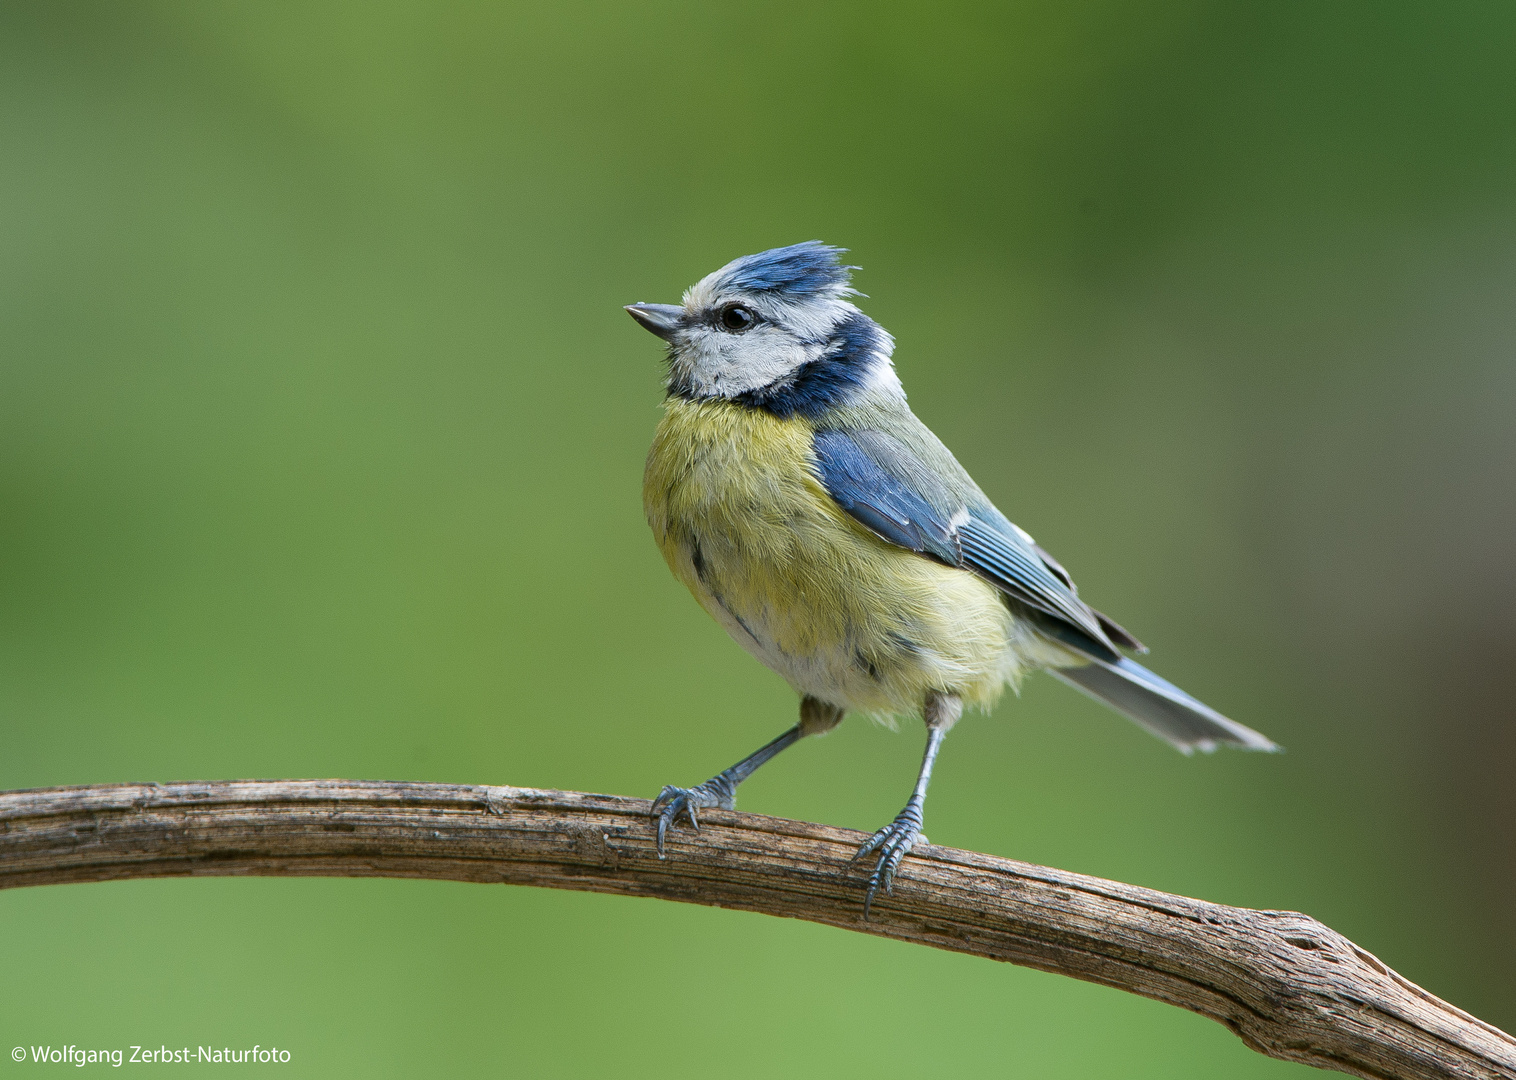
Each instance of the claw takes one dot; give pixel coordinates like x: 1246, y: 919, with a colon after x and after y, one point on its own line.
x: 893, y: 843
x: 673, y: 803
x: 873, y: 842
x: 663, y: 827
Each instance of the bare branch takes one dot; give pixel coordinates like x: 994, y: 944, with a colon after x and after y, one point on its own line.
x: 1287, y: 985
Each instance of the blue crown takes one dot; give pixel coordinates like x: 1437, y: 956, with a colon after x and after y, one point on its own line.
x: 800, y: 270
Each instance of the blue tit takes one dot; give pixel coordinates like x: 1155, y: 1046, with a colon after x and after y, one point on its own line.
x: 834, y: 537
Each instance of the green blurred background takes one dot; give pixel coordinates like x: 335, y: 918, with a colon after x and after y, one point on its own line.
x: 321, y: 437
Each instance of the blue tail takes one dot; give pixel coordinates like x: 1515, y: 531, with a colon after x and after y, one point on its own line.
x: 1161, y: 707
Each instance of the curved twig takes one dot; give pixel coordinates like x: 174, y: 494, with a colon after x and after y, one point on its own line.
x: 1287, y: 985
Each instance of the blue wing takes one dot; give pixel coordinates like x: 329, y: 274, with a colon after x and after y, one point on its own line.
x: 882, y: 501
x: 886, y: 489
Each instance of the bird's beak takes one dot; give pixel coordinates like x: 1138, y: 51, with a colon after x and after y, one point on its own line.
x: 661, y: 319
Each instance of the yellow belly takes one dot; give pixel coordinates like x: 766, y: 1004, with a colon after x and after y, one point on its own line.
x: 842, y: 615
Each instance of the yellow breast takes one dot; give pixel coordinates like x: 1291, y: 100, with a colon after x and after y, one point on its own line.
x: 744, y: 522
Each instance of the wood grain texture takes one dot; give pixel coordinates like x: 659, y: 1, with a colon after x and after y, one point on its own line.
x: 1287, y: 985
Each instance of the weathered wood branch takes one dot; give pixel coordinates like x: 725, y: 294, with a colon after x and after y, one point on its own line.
x: 1287, y: 985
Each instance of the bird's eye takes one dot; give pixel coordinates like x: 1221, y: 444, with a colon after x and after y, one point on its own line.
x: 736, y: 318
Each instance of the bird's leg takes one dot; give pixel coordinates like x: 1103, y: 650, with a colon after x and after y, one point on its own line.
x: 898, y: 837
x: 720, y: 790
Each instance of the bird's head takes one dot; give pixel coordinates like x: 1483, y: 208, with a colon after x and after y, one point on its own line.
x: 775, y: 331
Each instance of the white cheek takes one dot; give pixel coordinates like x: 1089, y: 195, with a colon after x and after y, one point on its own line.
x: 725, y: 365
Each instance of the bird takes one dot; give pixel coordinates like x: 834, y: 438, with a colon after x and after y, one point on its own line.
x: 792, y: 490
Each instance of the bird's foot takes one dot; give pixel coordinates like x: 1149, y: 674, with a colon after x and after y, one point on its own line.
x: 893, y: 843
x: 674, y: 803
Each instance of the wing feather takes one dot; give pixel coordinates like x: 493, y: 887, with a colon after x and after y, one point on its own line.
x: 882, y: 501
x: 1000, y: 556
x: 876, y: 480
x: 874, y: 477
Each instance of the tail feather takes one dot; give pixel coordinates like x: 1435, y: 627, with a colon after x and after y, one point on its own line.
x: 1161, y: 707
